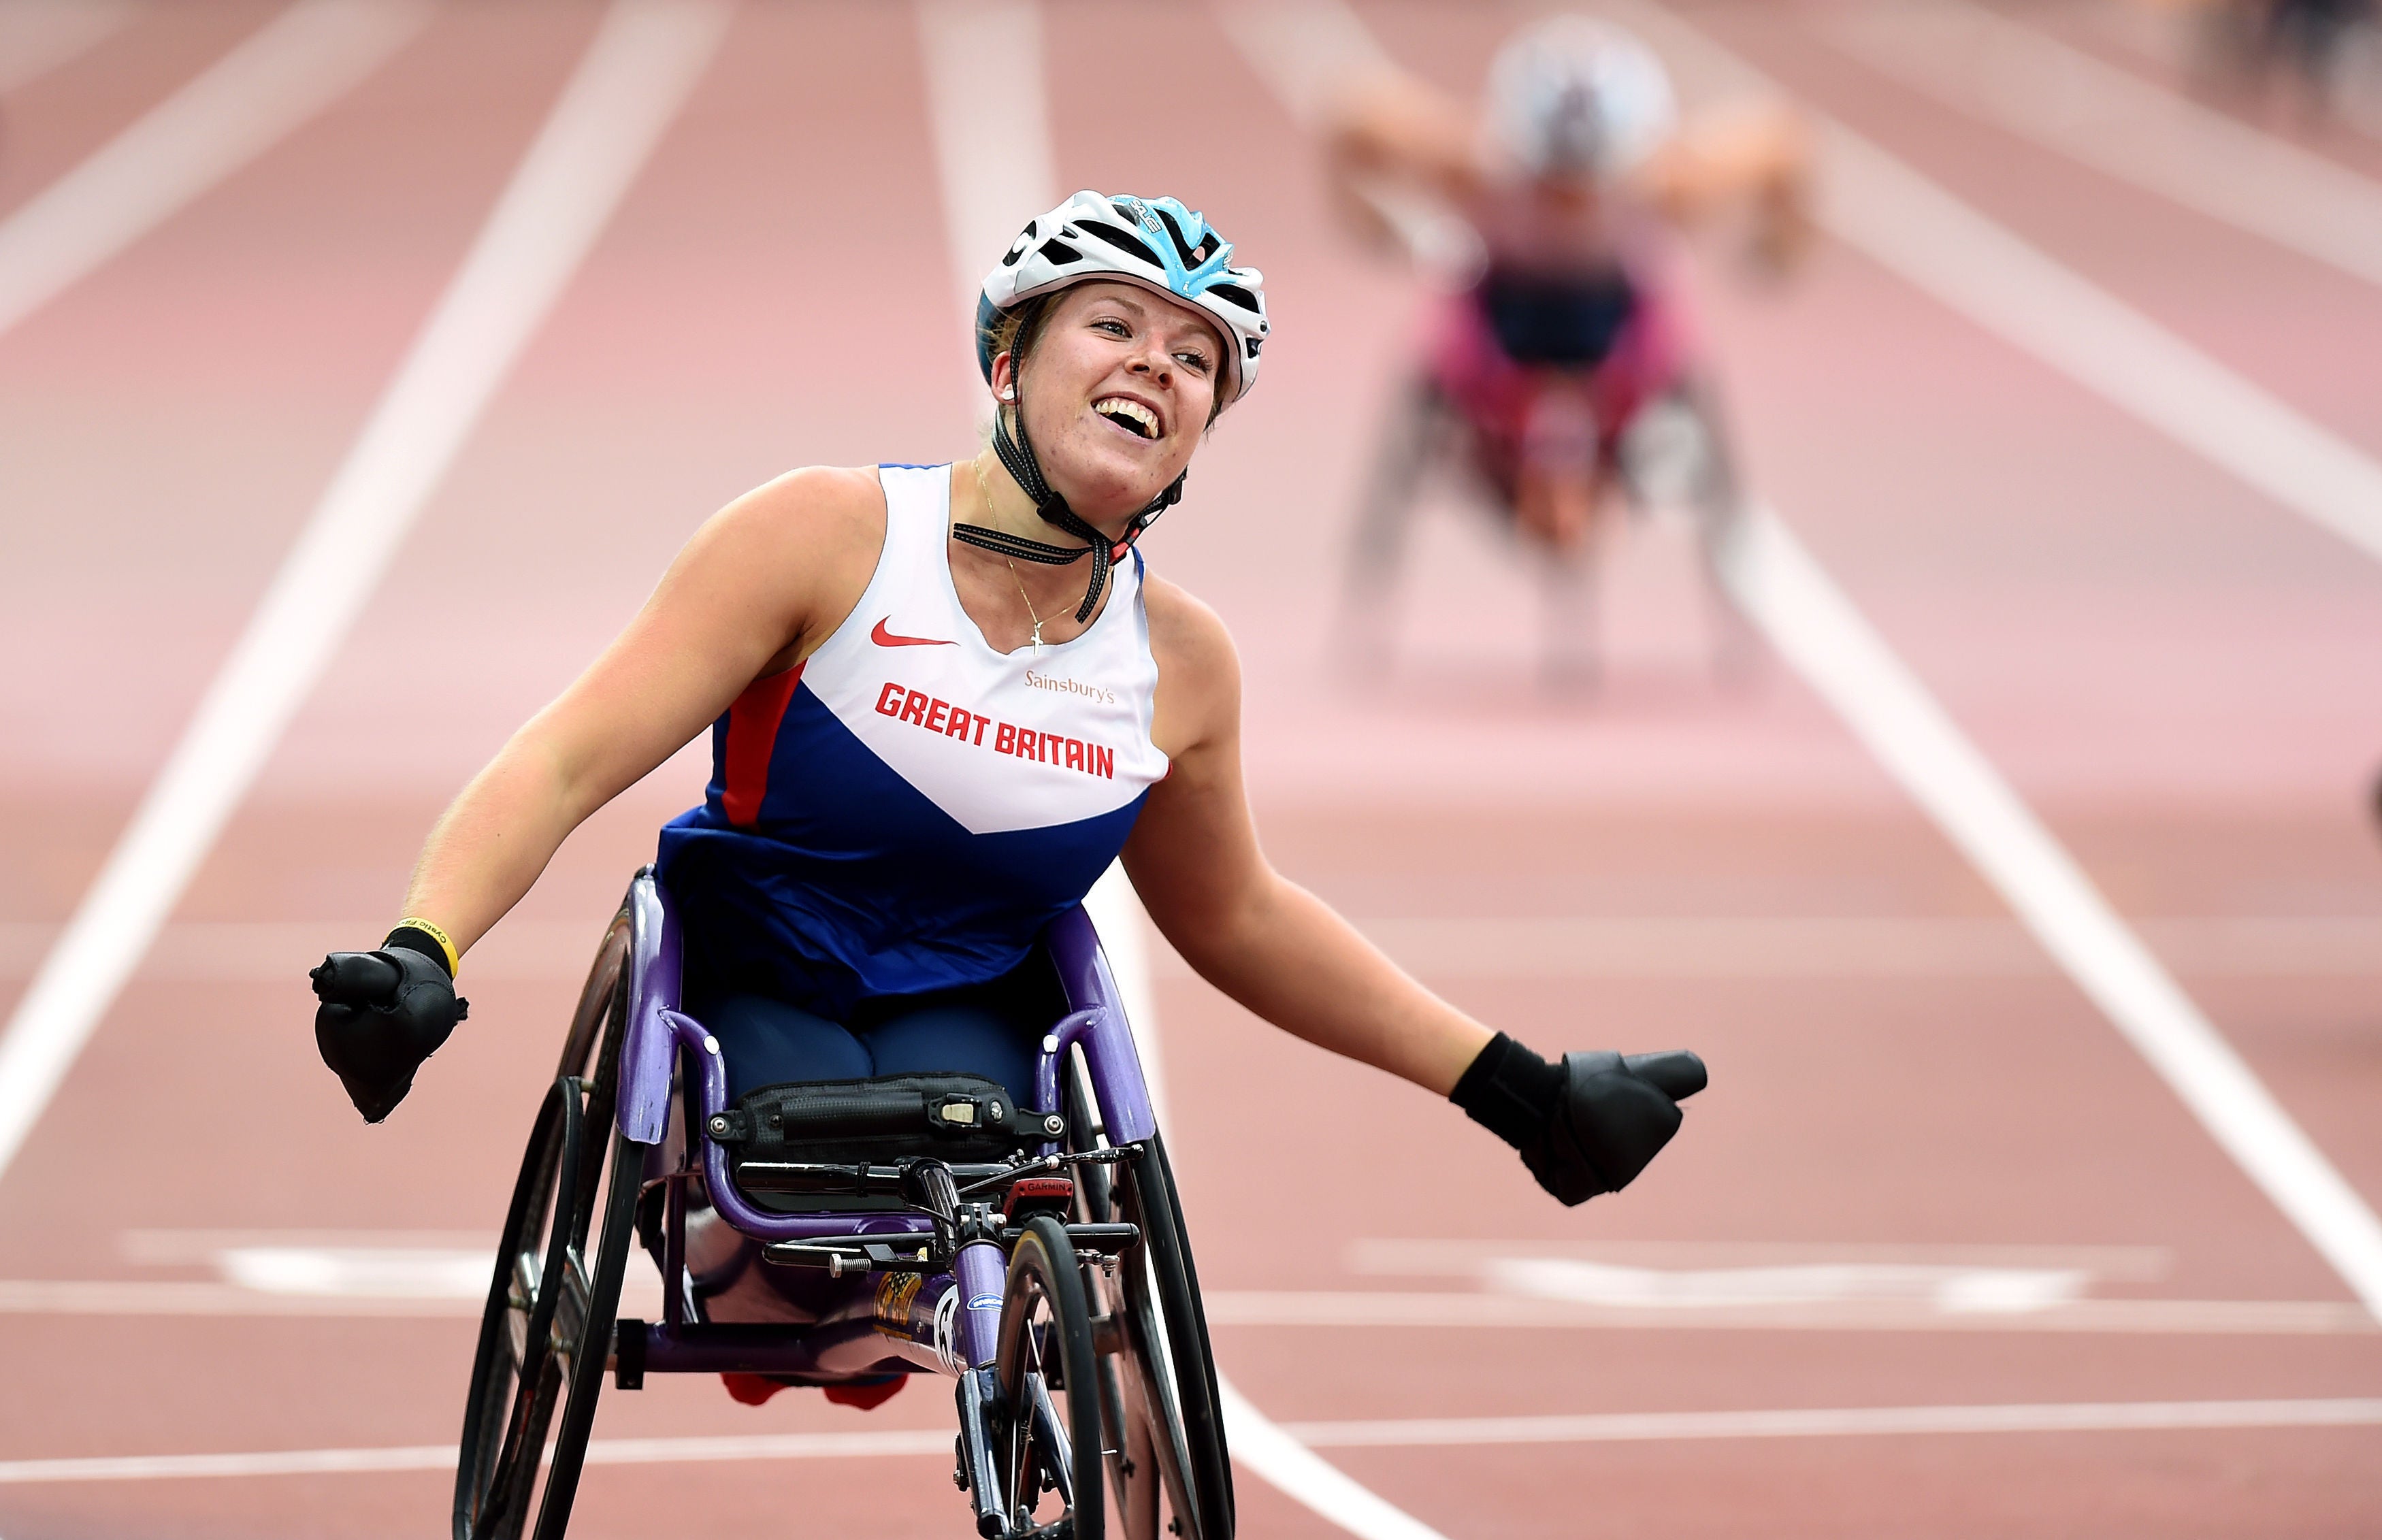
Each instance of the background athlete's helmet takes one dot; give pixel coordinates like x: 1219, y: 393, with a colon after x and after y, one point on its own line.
x: 1155, y: 243
x: 1573, y: 97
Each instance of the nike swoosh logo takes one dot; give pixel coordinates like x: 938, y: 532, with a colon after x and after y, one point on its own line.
x: 884, y: 638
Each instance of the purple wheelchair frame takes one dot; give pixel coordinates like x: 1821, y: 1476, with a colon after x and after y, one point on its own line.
x: 947, y: 1322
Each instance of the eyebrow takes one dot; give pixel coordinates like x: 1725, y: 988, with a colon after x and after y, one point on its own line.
x: 1124, y: 296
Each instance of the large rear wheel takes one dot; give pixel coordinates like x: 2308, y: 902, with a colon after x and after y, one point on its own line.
x: 1165, y: 1345
x: 1168, y: 1462
x: 546, y: 1333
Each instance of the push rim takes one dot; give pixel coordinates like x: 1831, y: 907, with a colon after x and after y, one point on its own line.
x: 546, y: 1327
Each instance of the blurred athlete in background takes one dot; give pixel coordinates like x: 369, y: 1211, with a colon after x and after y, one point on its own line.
x: 2316, y: 56
x: 1558, y: 369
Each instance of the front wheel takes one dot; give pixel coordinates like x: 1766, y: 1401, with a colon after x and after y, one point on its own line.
x: 1049, y: 1442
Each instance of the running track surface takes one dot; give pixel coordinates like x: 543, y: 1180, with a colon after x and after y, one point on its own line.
x: 2184, y: 680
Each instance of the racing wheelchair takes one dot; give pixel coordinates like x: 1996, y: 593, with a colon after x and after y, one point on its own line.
x: 1670, y: 453
x: 1035, y: 1257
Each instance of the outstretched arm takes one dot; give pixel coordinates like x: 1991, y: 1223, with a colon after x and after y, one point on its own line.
x: 1399, y: 152
x: 1258, y: 936
x: 742, y: 600
x: 1750, y: 155
x: 1585, y: 1125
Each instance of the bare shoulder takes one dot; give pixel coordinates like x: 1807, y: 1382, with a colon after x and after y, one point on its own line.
x: 1198, y: 672
x: 794, y: 554
x: 1187, y: 637
x: 820, y: 510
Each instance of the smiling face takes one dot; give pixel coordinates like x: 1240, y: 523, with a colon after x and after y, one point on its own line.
x: 1117, y: 388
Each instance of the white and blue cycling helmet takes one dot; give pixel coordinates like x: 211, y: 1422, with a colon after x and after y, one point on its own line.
x: 1576, y: 97
x: 1153, y: 243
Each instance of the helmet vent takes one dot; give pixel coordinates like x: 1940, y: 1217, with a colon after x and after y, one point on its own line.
x: 1235, y: 294
x: 1190, y: 257
x: 1059, y: 254
x: 1132, y: 245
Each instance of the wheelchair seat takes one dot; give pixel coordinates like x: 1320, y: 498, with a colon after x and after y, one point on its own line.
x: 829, y: 1147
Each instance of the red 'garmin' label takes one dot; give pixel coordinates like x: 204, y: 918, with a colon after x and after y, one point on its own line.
x: 937, y: 716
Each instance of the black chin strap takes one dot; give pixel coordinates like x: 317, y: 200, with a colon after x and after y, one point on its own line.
x: 1018, y: 456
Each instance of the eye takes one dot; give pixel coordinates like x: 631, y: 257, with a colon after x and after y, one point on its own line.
x: 1111, y: 325
x: 1191, y: 358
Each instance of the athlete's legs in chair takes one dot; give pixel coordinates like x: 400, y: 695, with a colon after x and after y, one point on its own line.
x: 768, y: 1042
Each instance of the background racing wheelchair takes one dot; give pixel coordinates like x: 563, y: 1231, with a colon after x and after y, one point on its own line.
x: 1035, y: 1255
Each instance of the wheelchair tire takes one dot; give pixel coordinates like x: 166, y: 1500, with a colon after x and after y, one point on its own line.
x: 1052, y: 1432
x: 546, y: 1333
x: 1166, y: 1329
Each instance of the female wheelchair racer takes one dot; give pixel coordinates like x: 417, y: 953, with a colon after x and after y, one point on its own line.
x: 929, y: 741
x: 1558, y: 372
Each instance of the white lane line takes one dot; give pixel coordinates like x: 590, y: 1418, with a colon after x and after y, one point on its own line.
x: 1258, y: 1442
x: 2033, y: 86
x: 299, y: 62
x: 1818, y: 631
x: 441, y: 1457
x: 1299, y: 1310
x: 1385, y: 1309
x: 1307, y: 52
x: 993, y: 153
x: 643, y: 62
x: 1422, y: 1257
x: 1376, y: 1433
x: 1946, y: 249
x: 37, y: 36
x: 1280, y: 1454
x: 1817, y: 628
x: 1846, y: 1421
x: 993, y: 146
x: 177, y: 1297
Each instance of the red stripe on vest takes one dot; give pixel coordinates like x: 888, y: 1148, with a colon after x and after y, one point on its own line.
x: 752, y: 733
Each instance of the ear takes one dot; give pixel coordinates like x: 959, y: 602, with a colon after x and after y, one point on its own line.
x: 1004, y: 377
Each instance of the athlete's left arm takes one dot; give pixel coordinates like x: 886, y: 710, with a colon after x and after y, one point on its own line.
x: 1261, y: 938
x: 1755, y: 154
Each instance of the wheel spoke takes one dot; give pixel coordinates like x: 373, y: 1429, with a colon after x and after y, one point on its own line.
x: 1058, y: 1449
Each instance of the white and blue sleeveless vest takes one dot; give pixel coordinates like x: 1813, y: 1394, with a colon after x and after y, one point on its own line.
x: 904, y: 810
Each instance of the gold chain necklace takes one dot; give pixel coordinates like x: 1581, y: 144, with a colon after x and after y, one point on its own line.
x: 1029, y: 606
x: 977, y: 469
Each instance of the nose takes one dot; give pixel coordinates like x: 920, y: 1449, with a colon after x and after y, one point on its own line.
x: 1155, y: 365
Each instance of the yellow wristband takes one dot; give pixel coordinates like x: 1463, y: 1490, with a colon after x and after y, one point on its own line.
x: 415, y: 921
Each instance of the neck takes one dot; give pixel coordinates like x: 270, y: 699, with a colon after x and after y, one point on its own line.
x: 1006, y: 507
x: 997, y: 500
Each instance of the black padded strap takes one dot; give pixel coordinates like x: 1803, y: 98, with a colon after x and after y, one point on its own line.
x: 1017, y: 455
x: 1001, y: 542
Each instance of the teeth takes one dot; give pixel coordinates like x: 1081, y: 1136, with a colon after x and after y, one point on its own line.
x: 1133, y: 411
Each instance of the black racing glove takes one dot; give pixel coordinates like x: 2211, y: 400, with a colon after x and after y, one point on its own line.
x: 1584, y: 1127
x: 382, y: 1014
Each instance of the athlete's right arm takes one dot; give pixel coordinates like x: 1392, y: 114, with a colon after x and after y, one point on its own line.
x: 757, y: 588
x: 1755, y: 154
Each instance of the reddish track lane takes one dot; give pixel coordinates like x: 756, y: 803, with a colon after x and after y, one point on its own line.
x: 2179, y: 675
